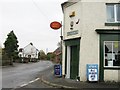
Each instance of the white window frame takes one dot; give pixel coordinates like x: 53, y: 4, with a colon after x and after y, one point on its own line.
x: 112, y: 54
x: 115, y: 13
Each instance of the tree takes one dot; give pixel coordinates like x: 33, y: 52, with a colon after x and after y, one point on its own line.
x: 5, y: 59
x: 50, y: 56
x: 11, y: 46
x: 41, y: 55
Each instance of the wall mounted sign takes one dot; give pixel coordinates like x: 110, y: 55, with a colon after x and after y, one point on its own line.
x: 72, y: 33
x: 72, y: 14
x: 55, y: 25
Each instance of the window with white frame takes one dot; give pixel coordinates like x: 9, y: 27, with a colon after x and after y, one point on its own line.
x: 113, y: 13
x: 112, y: 53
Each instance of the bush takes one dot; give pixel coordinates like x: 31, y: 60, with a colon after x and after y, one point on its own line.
x: 5, y: 60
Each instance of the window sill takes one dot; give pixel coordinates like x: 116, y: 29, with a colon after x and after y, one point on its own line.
x: 112, y: 24
x: 112, y: 68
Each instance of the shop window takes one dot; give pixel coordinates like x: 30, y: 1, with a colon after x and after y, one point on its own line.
x: 112, y: 53
x: 113, y: 13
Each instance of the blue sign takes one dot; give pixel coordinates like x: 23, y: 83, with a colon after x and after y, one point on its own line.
x: 58, y: 70
x: 92, y: 72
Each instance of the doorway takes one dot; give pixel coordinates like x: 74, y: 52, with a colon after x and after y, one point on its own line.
x: 74, y: 62
x: 72, y: 58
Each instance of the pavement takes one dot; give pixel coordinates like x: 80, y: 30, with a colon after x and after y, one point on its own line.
x: 59, y: 82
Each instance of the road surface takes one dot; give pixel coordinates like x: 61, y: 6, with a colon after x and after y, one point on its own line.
x: 21, y: 74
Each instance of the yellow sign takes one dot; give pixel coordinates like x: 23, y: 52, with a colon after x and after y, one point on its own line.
x: 116, y: 44
x: 72, y: 14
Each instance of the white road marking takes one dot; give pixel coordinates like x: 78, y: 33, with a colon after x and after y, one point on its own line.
x: 29, y: 82
x: 34, y: 80
x: 24, y: 85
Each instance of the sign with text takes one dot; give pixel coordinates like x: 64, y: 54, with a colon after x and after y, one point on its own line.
x: 58, y: 70
x: 55, y: 25
x: 72, y: 33
x: 92, y: 72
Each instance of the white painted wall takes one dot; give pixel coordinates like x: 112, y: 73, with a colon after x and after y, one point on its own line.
x: 112, y: 75
x: 89, y: 51
x: 67, y: 21
x: 29, y: 50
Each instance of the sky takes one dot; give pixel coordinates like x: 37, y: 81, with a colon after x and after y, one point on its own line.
x: 30, y: 20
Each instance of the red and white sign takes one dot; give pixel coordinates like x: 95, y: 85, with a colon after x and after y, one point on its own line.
x: 55, y: 25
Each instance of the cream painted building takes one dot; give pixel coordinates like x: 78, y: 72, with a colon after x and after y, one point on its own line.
x: 91, y: 35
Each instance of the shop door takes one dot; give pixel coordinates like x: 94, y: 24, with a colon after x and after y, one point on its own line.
x: 74, y: 62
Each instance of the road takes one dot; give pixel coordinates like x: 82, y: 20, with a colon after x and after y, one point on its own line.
x: 21, y: 74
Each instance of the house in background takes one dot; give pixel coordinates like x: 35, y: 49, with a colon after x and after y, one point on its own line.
x: 28, y: 53
x: 58, y: 54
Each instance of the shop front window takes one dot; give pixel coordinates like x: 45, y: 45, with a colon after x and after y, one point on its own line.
x: 112, y: 53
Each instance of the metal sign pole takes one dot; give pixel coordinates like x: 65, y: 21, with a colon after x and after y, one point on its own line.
x: 61, y: 42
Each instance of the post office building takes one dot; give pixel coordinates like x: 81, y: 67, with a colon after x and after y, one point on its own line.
x: 91, y: 35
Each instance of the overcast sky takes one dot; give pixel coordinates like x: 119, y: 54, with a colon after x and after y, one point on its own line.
x: 30, y: 21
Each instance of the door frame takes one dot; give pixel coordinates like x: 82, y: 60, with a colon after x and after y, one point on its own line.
x: 68, y: 43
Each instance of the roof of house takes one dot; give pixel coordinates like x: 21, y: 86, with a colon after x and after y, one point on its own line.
x: 57, y: 51
x: 29, y: 49
x: 31, y: 44
x: 68, y: 3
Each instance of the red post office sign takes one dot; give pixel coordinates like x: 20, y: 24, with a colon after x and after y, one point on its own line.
x: 55, y: 25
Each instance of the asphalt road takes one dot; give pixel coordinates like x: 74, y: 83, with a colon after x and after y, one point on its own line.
x: 21, y: 74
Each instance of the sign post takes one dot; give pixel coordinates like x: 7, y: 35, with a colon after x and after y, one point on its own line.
x: 56, y: 25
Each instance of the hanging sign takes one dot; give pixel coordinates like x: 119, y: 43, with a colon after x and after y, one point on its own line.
x: 55, y: 25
